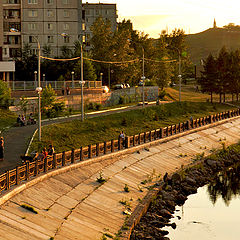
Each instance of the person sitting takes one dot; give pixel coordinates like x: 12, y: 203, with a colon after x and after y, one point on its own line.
x: 45, y: 153
x: 51, y: 150
x: 122, y: 135
x: 23, y: 120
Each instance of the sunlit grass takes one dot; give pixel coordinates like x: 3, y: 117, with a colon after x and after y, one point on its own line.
x: 72, y: 135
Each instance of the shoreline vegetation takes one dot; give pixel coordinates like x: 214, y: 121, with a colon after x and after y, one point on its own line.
x: 176, y: 188
x: 72, y: 135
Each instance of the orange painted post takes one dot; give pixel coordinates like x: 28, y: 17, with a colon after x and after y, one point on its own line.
x: 97, y: 149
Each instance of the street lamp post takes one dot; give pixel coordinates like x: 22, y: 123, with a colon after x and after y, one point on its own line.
x: 38, y: 89
x: 179, y: 73
x: 35, y: 79
x: 82, y: 83
x: 72, y: 79
x: 143, y: 78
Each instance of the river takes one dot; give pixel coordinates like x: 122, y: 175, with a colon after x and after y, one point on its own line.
x: 213, y: 213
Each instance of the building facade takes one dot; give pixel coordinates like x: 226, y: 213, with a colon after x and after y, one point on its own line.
x: 92, y: 11
x: 52, y: 23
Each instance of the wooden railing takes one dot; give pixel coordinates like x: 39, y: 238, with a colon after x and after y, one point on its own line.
x: 29, y: 170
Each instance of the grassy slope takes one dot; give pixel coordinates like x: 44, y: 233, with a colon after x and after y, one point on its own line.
x: 66, y: 136
x: 7, y: 118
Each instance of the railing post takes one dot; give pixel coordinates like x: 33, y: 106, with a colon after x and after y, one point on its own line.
x: 167, y: 131
x: 73, y: 156
x: 63, y: 158
x: 81, y: 154
x: 17, y: 175
x: 7, y: 179
x: 105, y: 147
x: 54, y: 161
x: 89, y: 151
x: 119, y: 143
x: 144, y: 137
x: 161, y: 133
x: 127, y: 142
x: 133, y: 140
x: 36, y: 168
x: 175, y: 128
x: 27, y: 170
x: 97, y: 149
x: 112, y: 145
x: 188, y: 124
x: 139, y: 138
x: 45, y: 164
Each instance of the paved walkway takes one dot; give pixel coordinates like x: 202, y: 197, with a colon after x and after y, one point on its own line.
x: 73, y: 205
x: 18, y: 138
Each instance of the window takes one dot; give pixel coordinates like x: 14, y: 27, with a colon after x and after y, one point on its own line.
x: 50, y: 13
x: 66, y: 39
x: 66, y: 13
x: 32, y: 26
x: 50, y: 26
x: 32, y: 39
x: 106, y: 12
x: 4, y: 51
x: 32, y: 1
x: 49, y: 1
x: 32, y: 13
x: 50, y: 39
x: 65, y: 1
x: 65, y: 26
x: 97, y: 12
x: 88, y: 12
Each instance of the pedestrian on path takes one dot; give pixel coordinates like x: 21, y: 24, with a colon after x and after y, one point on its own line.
x: 1, y: 148
x: 51, y: 150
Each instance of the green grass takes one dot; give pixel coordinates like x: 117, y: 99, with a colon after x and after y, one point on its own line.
x: 72, y: 135
x: 7, y: 118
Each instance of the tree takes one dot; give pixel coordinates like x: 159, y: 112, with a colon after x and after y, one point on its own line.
x: 48, y: 97
x: 208, y: 80
x: 223, y: 61
x: 23, y: 104
x: 5, y: 95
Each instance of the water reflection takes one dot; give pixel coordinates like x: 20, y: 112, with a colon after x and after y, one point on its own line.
x: 225, y: 185
x: 213, y: 212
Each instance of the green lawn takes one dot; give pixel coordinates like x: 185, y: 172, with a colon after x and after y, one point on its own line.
x: 7, y: 118
x: 72, y: 135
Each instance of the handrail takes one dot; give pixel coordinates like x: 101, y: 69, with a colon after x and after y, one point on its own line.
x: 29, y: 170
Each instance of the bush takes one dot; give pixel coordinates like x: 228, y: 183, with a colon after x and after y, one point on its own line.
x: 5, y: 95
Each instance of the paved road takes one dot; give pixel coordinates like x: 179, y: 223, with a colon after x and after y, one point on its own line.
x: 18, y: 138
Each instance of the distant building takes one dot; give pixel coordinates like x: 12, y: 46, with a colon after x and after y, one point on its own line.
x: 214, y: 24
x: 91, y: 11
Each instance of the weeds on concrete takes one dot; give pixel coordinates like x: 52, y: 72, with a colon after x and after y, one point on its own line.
x: 126, y: 188
x: 101, y: 179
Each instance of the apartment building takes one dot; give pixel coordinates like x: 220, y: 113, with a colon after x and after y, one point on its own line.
x: 44, y: 21
x: 91, y: 11
x: 55, y: 23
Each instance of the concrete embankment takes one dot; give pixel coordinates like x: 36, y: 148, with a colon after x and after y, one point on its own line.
x: 73, y: 205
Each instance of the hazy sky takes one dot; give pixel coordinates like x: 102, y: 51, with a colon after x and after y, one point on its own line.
x: 152, y: 16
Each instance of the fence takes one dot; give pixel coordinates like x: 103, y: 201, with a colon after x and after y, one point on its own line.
x: 57, y: 85
x: 27, y: 171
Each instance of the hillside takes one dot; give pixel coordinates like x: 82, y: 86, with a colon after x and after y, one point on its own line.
x: 211, y: 41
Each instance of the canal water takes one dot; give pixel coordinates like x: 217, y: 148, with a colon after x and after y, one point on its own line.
x: 213, y: 213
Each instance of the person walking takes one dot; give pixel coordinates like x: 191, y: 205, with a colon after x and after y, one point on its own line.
x: 1, y: 148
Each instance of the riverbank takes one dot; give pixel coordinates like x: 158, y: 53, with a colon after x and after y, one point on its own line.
x: 175, y: 189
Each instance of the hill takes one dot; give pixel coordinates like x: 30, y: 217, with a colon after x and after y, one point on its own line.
x: 211, y: 41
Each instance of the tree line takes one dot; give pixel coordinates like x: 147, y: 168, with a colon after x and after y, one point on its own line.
x: 123, y: 45
x: 221, y: 74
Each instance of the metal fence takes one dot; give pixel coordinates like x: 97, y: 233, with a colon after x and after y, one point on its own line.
x: 57, y: 85
x: 27, y: 171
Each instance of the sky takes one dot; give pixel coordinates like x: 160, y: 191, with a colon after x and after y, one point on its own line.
x: 193, y: 16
